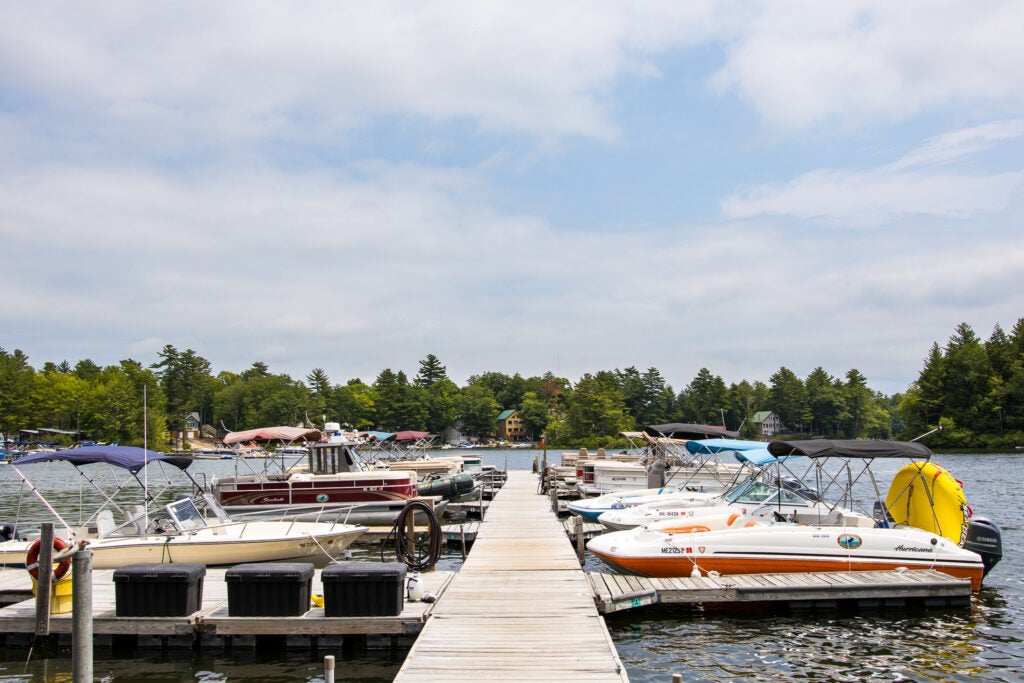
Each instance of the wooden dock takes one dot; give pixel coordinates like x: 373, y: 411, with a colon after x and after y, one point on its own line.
x: 520, y: 609
x: 212, y: 619
x: 827, y: 590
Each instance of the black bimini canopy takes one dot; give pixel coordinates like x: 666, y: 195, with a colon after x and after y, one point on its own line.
x: 679, y: 430
x: 850, y: 448
x: 128, y: 457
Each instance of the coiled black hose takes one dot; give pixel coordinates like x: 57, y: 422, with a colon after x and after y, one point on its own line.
x: 420, y: 551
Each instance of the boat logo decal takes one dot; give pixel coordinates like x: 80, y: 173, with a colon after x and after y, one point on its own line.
x: 849, y: 541
x: 911, y: 549
x: 700, y: 548
x: 322, y: 498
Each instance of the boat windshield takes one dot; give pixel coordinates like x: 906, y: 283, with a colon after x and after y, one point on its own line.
x: 185, y: 514
x: 758, y: 492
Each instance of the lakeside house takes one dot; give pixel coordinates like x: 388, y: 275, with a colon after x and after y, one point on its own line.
x: 768, y: 423
x: 510, y: 426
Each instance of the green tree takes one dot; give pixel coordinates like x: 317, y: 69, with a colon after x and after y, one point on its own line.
x: 647, y: 397
x: 789, y: 399
x: 705, y: 399
x: 59, y: 400
x: 16, y: 381
x: 507, y: 390
x: 185, y: 380
x: 596, y: 408
x: 355, y: 404
x: 477, y: 410
x: 431, y: 371
x: 87, y: 370
x: 440, y: 404
x: 274, y: 400
x: 858, y: 403
x: 535, y: 413
x: 321, y: 393
x: 825, y: 402
x: 968, y: 381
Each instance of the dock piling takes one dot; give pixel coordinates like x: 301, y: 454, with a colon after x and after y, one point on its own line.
x: 81, y: 615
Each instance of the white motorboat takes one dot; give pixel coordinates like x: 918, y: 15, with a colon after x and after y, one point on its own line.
x: 926, y: 524
x: 189, y: 529
x: 754, y: 499
x: 751, y: 456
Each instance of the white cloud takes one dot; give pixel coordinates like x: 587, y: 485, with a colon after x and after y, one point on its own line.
x: 801, y: 63
x: 873, y: 196
x: 959, y: 143
x: 222, y: 177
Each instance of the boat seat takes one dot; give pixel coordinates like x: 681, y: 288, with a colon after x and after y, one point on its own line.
x: 104, y: 523
x: 135, y: 520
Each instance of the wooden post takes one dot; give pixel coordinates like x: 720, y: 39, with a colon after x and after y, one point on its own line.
x: 553, y: 493
x: 410, y: 532
x: 329, y: 669
x: 81, y: 616
x: 581, y: 542
x: 45, y: 580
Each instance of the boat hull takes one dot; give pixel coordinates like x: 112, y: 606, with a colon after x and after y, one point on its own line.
x: 215, y: 546
x: 785, y: 548
x: 255, y: 492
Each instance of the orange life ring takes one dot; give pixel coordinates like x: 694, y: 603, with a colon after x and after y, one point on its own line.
x: 32, y: 559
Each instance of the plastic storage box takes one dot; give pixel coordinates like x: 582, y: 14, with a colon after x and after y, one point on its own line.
x: 158, y: 590
x: 269, y: 589
x: 364, y: 589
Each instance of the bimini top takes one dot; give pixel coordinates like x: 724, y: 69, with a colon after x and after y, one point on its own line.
x: 753, y: 452
x: 679, y: 430
x: 850, y: 448
x: 286, y: 434
x: 128, y: 457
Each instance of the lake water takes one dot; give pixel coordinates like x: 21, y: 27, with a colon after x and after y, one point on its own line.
x: 982, y: 643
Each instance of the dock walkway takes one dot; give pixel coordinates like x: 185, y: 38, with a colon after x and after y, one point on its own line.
x: 520, y: 608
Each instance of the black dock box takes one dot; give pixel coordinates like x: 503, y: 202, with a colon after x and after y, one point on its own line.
x: 364, y: 589
x: 158, y: 590
x: 269, y: 589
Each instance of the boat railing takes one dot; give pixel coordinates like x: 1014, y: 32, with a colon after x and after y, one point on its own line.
x: 333, y: 514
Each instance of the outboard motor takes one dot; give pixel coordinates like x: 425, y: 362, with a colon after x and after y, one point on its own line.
x: 794, y: 484
x: 656, y: 475
x: 985, y: 538
x: 8, y: 532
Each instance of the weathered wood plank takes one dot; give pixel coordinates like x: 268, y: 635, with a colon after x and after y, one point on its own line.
x: 518, y: 598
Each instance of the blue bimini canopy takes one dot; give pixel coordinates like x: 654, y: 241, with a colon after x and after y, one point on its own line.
x: 721, y: 445
x: 128, y: 457
x: 754, y: 452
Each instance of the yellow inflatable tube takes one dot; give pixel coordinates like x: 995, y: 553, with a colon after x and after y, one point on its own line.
x: 926, y: 496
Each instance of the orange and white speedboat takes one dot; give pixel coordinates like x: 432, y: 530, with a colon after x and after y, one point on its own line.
x: 913, y: 535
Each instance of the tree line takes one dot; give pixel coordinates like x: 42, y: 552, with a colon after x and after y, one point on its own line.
x: 973, y: 389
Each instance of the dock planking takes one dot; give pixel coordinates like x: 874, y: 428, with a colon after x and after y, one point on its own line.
x: 212, y: 619
x: 617, y: 592
x: 518, y: 599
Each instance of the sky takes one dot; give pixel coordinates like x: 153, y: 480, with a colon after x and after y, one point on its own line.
x: 519, y: 187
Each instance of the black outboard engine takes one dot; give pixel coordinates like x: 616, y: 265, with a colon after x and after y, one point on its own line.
x: 794, y: 484
x: 985, y: 538
x: 656, y: 475
x: 8, y: 532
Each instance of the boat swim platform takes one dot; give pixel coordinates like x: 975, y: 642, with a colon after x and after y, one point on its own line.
x: 806, y: 591
x: 519, y: 597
